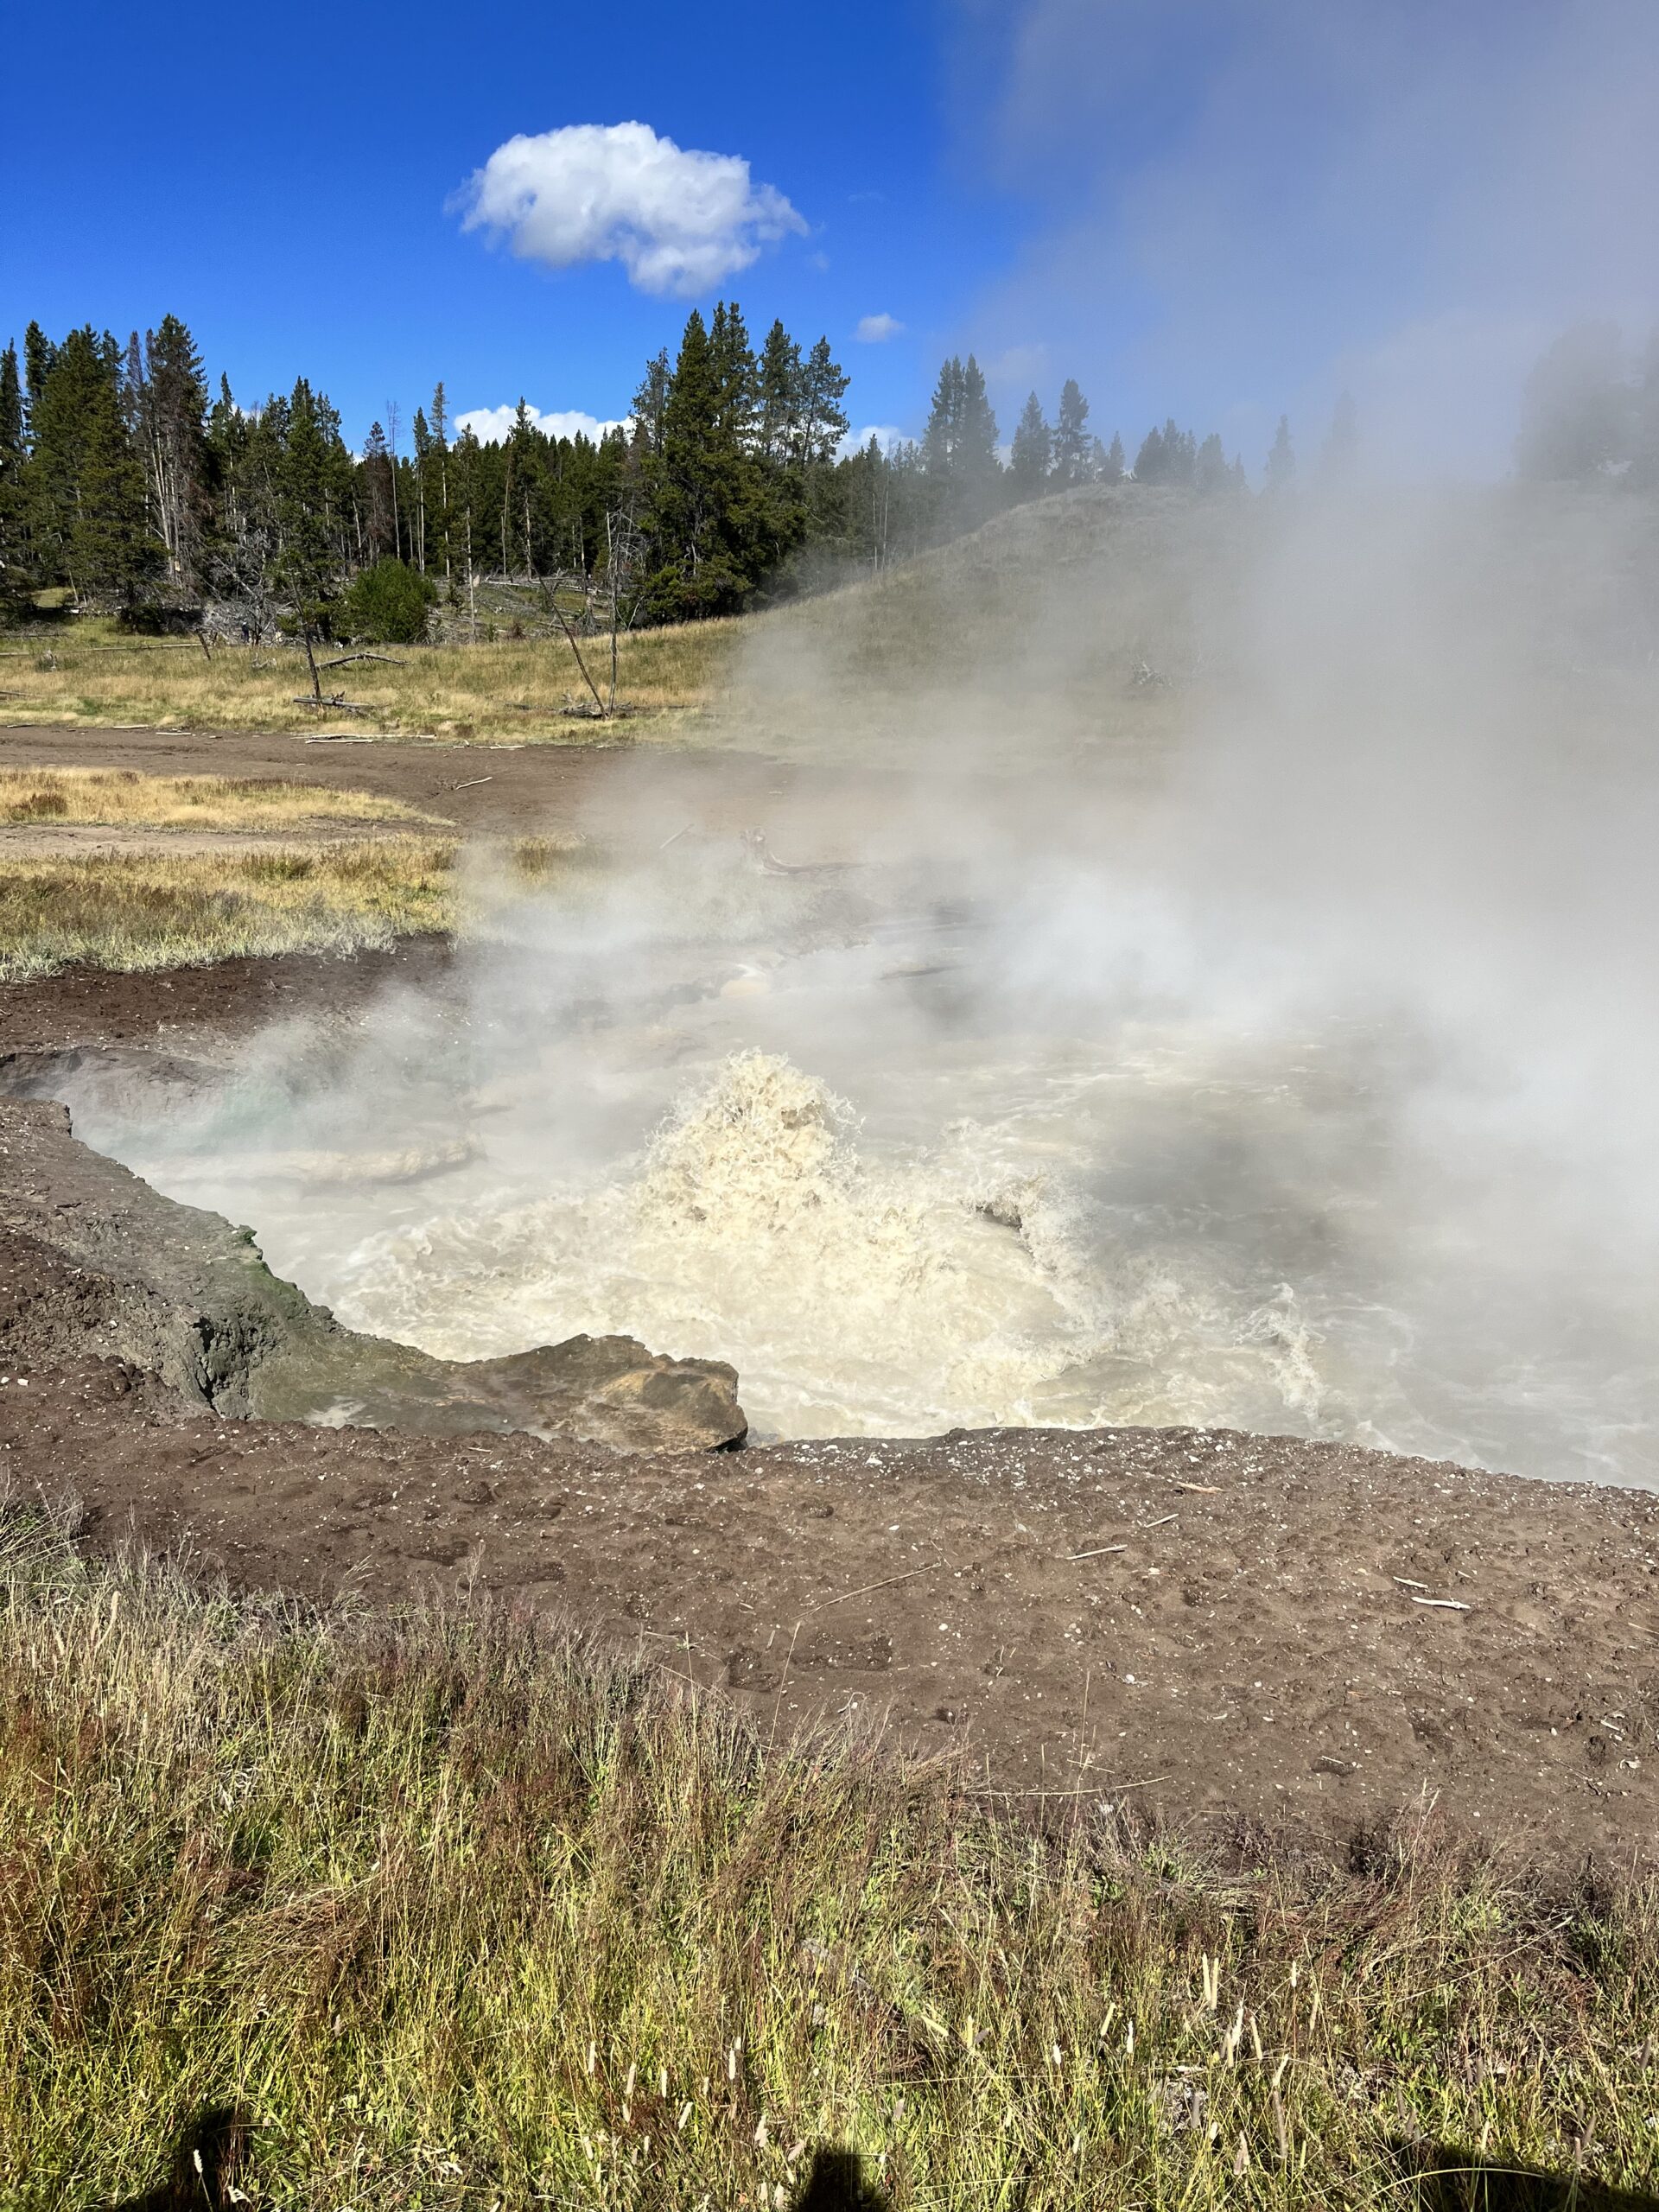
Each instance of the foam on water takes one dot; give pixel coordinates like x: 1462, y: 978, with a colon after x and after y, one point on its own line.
x: 854, y: 1295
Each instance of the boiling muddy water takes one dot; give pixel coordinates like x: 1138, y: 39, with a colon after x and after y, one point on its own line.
x: 827, y: 1130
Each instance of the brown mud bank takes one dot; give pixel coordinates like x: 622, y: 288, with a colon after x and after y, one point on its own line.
x: 1204, y: 1626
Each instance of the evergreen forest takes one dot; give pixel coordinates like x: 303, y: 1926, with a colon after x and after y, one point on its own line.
x: 128, y: 483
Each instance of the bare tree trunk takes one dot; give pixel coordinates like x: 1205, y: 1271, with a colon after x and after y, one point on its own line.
x: 610, y: 564
x: 391, y: 440
x: 311, y: 659
x: 565, y: 626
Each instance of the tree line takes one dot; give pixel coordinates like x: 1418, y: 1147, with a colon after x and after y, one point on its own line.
x: 127, y: 479
x: 1587, y: 417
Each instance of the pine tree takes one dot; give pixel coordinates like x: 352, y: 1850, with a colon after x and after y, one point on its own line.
x: 692, y: 576
x: 173, y: 427
x: 1281, y: 459
x: 1166, y: 456
x: 84, y: 489
x: 39, y: 354
x: 15, y: 576
x: 1071, y: 439
x: 942, y: 439
x: 1149, y: 461
x: 440, y: 519
x: 649, y: 403
x: 732, y: 365
x: 1033, y: 452
x: 978, y: 466
x: 1575, y: 410
x: 310, y: 553
x: 112, y: 548
x: 782, y: 398
x: 1113, y: 465
x: 1210, y: 473
x: 823, y: 419
x: 375, y: 477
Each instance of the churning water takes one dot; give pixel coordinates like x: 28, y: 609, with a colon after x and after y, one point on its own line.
x: 901, y: 1194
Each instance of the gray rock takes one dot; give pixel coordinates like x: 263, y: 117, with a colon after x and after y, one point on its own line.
x: 179, y: 1292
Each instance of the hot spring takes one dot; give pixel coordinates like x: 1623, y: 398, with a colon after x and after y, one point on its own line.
x: 898, y: 1146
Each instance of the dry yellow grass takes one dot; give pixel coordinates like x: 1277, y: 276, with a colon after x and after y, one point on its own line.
x: 111, y: 796
x: 147, y: 911
x: 86, y: 673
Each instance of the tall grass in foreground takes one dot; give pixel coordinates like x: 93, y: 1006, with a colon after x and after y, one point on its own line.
x: 461, y: 1914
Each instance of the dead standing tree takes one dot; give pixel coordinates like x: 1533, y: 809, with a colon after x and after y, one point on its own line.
x: 624, y: 549
x: 553, y: 585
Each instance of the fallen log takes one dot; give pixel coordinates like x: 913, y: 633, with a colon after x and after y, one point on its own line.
x: 336, y: 705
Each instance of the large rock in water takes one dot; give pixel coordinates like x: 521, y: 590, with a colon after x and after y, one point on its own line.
x: 181, y: 1292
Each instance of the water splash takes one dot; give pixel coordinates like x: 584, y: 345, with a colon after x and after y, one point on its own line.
x: 855, y: 1296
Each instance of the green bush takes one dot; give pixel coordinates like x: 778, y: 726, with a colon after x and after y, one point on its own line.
x: 387, y: 605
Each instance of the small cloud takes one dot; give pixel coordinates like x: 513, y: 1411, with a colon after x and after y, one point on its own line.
x: 820, y: 262
x: 865, y: 198
x: 492, y: 426
x: 887, y: 435
x: 680, y: 222
x: 876, y: 329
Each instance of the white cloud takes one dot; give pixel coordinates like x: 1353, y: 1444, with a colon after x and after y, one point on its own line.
x: 679, y: 222
x: 492, y: 426
x: 876, y: 329
x: 887, y: 435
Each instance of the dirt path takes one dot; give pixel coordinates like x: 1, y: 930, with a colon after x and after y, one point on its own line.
x: 623, y: 793
x: 88, y: 840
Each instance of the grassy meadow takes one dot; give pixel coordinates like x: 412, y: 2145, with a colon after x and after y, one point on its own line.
x: 440, y: 1910
x: 122, y: 798
x: 151, y: 910
x: 85, y: 672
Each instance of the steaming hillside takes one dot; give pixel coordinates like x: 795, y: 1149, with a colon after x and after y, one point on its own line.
x: 1109, y: 621
x: 1086, y: 616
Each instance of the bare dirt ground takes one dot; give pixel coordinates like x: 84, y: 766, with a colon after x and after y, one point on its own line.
x: 621, y: 792
x: 1203, y: 1627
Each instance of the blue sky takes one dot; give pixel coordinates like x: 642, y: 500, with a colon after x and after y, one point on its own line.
x: 283, y: 182
x: 1214, y: 207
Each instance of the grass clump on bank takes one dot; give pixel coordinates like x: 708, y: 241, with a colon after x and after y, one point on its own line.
x: 146, y: 910
x: 450, y: 1913
x: 48, y: 797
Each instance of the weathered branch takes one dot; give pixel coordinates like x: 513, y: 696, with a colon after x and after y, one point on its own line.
x: 344, y: 660
x: 337, y: 704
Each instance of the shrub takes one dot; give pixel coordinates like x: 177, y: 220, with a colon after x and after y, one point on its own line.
x: 387, y: 605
